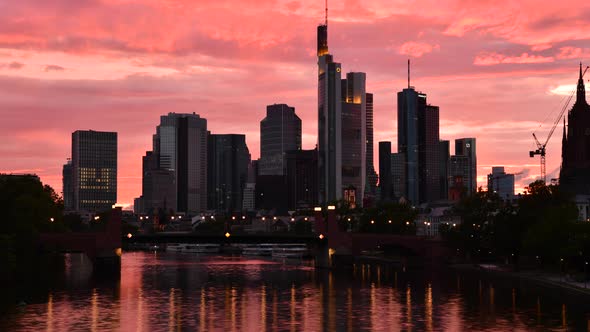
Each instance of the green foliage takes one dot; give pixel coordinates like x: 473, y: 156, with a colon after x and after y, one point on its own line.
x: 376, y: 219
x: 26, y: 209
x: 543, y: 223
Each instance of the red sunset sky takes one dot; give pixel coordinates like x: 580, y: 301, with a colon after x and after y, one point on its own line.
x: 497, y: 69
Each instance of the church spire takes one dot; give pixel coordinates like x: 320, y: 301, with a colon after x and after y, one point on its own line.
x: 563, y: 145
x: 581, y: 90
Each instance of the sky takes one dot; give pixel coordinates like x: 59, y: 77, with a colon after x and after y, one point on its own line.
x: 498, y: 70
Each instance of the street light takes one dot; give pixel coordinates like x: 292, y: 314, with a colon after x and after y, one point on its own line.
x: 227, y: 234
x: 390, y: 221
x: 129, y: 235
x: 96, y: 218
x: 51, y: 219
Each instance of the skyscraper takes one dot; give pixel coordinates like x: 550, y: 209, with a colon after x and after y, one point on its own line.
x: 464, y: 163
x: 444, y: 164
x: 228, y: 163
x: 158, y: 186
x: 385, y: 176
x: 574, y: 177
x: 329, y: 122
x: 301, y: 179
x: 354, y: 137
x: 418, y: 136
x: 68, y: 186
x: 398, y: 175
x: 94, y: 170
x: 180, y: 146
x: 280, y: 131
x: 371, y: 177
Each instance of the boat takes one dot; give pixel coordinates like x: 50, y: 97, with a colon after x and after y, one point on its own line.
x: 290, y: 251
x: 263, y: 249
x: 175, y: 247
x: 201, y: 248
x: 193, y: 248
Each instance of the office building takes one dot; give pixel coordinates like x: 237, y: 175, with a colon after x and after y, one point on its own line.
x: 180, y: 146
x: 280, y: 131
x: 371, y: 177
x: 329, y: 121
x: 68, y: 186
x: 418, y: 137
x: 228, y: 162
x: 464, y: 163
x: 398, y: 175
x: 158, y: 191
x: 94, y: 170
x: 301, y: 179
x: 501, y: 183
x: 385, y: 176
x: 444, y: 164
x: 354, y: 138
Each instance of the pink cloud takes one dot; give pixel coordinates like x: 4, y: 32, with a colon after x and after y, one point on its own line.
x: 492, y: 58
x: 417, y: 49
x: 129, y: 61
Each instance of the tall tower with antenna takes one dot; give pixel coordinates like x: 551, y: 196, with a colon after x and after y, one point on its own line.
x: 329, y: 120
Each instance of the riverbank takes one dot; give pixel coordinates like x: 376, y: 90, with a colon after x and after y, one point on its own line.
x: 542, y: 278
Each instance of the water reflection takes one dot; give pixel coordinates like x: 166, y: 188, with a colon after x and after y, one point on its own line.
x: 183, y: 292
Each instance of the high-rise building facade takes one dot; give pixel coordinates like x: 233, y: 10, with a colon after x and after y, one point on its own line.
x: 371, y: 177
x: 501, y: 183
x: 574, y: 177
x: 180, y: 146
x: 398, y: 175
x: 301, y: 179
x: 418, y: 136
x: 228, y: 163
x: 280, y: 131
x: 329, y: 122
x: 466, y: 167
x: 94, y: 170
x: 158, y: 186
x: 385, y: 176
x: 444, y: 165
x: 68, y: 186
x: 354, y: 137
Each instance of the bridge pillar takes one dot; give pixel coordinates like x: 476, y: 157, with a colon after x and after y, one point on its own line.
x: 322, y: 255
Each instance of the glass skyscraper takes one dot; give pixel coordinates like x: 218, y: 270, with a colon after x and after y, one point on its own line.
x: 280, y: 131
x: 94, y: 170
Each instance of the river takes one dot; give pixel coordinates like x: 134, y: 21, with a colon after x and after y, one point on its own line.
x: 184, y: 292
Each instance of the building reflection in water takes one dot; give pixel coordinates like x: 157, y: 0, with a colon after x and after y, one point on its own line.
x: 177, y: 293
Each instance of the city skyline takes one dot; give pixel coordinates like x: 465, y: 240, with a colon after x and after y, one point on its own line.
x: 50, y: 85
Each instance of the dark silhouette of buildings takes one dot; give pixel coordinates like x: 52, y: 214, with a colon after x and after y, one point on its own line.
x: 158, y: 187
x: 280, y: 131
x: 353, y: 138
x: 418, y: 137
x: 94, y: 170
x: 464, y: 165
x: 301, y: 178
x: 385, y: 176
x: 227, y: 162
x: 178, y: 163
x: 329, y: 121
x: 574, y: 177
x: 371, y: 177
x: 444, y: 155
x: 68, y: 186
x: 501, y: 183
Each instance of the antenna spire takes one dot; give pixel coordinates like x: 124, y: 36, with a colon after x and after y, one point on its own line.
x: 326, y: 12
x: 408, y: 73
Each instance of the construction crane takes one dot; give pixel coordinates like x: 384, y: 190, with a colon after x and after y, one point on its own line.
x: 541, y: 147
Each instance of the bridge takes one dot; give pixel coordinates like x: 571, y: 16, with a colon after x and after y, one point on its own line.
x: 343, y: 243
x: 326, y: 241
x: 103, y: 248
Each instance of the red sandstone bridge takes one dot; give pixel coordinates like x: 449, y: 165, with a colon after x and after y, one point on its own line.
x: 343, y: 243
x: 103, y: 248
